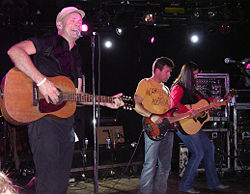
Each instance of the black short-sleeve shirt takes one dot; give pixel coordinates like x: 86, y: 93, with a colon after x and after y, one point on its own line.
x: 54, y: 58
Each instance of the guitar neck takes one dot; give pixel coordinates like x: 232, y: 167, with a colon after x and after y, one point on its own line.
x: 189, y: 114
x: 87, y: 98
x: 179, y: 117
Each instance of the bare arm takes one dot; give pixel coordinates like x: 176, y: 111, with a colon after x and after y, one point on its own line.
x: 139, y: 108
x: 19, y: 54
x: 79, y: 87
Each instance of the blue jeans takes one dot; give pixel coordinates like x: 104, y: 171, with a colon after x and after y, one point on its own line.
x: 201, y: 148
x: 157, y: 165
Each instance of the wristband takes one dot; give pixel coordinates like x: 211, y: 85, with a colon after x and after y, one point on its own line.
x: 152, y: 114
x: 41, y: 82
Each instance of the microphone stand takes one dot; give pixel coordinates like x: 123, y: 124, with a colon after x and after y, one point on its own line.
x: 95, y: 167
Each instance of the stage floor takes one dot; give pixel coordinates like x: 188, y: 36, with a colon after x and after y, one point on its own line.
x: 239, y: 184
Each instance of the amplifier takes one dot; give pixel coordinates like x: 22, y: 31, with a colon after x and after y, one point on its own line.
x: 110, y: 133
x: 241, y: 136
x: 214, y: 85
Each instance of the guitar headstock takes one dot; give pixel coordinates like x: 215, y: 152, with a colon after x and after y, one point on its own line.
x: 129, y: 102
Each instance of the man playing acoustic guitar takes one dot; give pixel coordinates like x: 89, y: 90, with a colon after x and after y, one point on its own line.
x: 151, y: 100
x: 52, y: 141
x: 183, y: 93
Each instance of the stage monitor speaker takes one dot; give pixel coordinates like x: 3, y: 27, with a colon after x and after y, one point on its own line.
x: 115, y: 133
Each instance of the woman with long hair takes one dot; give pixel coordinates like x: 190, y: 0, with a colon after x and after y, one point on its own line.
x: 183, y: 93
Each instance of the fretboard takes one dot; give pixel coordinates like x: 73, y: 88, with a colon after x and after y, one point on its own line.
x: 86, y: 98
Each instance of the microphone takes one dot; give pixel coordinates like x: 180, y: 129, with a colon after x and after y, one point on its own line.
x: 228, y: 60
x: 80, y: 33
x: 243, y: 62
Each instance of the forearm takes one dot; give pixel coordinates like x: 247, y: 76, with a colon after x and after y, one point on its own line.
x: 23, y: 62
x: 139, y: 108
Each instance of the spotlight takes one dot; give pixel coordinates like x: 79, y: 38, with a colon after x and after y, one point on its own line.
x: 197, y: 13
x: 248, y: 66
x: 108, y: 44
x: 152, y: 40
x: 148, y: 34
x: 119, y: 31
x: 225, y: 28
x: 85, y: 27
x: 211, y: 14
x: 149, y: 18
x: 194, y: 38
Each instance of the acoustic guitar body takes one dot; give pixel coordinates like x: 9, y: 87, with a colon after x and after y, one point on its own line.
x: 22, y: 103
x: 191, y: 126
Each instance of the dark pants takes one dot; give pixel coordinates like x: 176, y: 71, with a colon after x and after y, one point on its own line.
x: 52, y: 146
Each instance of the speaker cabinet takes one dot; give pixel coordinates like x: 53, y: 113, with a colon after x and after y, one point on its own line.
x: 115, y: 133
x: 215, y: 85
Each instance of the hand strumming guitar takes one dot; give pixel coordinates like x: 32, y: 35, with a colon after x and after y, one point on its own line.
x: 49, y: 91
x: 156, y: 119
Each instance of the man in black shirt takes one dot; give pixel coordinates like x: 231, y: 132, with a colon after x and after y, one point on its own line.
x: 52, y: 141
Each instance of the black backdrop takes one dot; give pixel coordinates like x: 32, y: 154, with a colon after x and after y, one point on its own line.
x: 131, y: 58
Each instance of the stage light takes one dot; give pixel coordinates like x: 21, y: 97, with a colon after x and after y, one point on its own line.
x: 85, y: 27
x: 108, y: 44
x: 149, y: 18
x: 225, y: 28
x: 194, y: 38
x: 148, y: 35
x: 119, y: 31
x: 197, y: 13
x: 152, y: 40
x: 211, y: 14
x: 195, y: 33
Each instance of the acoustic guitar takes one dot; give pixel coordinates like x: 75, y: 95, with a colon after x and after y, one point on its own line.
x: 21, y: 102
x: 191, y: 126
x: 185, y: 122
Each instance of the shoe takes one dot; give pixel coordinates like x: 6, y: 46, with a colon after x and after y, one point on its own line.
x: 192, y: 191
x: 221, y: 186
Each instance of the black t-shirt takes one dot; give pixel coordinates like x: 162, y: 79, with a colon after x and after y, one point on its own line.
x: 54, y: 58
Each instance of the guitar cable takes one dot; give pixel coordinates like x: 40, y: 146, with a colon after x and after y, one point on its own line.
x: 130, y: 160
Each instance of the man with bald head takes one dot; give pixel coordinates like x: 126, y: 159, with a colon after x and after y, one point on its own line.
x: 52, y: 141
